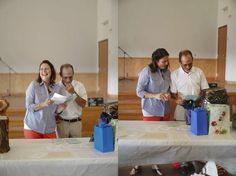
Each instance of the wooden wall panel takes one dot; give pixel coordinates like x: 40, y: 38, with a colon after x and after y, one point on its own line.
x: 131, y: 110
x: 232, y: 101
x: 89, y: 118
x: 20, y: 81
x: 135, y: 65
x: 230, y: 82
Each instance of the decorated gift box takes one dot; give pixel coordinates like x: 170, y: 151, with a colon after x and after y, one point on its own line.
x: 114, y: 124
x: 219, y: 118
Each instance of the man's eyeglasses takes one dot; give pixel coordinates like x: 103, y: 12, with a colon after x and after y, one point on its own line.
x: 69, y: 77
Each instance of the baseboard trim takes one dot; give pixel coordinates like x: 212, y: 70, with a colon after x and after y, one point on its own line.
x: 230, y: 82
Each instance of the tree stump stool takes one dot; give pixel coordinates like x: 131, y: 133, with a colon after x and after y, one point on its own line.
x: 4, y: 127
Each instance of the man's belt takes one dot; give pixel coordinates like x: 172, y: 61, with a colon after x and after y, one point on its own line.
x: 71, y: 120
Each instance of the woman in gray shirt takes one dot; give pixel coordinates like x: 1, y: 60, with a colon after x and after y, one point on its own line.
x: 39, y: 119
x: 154, y: 89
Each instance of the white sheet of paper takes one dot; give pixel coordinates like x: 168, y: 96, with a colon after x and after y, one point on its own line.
x: 210, y: 168
x: 59, y: 99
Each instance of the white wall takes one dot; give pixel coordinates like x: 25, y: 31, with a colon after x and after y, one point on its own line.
x: 108, y: 29
x: 227, y: 16
x: 172, y: 24
x: 58, y: 30
x: 223, y: 12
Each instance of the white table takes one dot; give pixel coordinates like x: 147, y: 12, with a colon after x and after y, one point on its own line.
x: 57, y: 157
x: 144, y: 143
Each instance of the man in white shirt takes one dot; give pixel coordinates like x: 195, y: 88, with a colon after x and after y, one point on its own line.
x: 186, y: 80
x: 69, y: 121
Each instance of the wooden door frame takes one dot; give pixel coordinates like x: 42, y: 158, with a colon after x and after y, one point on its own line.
x: 218, y: 57
x: 103, y: 92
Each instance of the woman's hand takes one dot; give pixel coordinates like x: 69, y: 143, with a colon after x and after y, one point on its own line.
x: 43, y: 104
x: 163, y: 96
x: 46, y: 103
x: 160, y: 96
x: 167, y: 96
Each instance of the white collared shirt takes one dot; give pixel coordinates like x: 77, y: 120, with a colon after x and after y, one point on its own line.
x: 73, y: 110
x: 188, y: 83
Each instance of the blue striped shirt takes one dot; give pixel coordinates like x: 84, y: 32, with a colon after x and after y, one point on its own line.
x: 154, y: 83
x: 43, y: 120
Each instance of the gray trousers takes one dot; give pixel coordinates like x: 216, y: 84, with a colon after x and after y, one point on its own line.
x: 69, y: 129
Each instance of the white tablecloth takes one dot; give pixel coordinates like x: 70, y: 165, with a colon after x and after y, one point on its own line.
x: 144, y: 143
x: 57, y: 157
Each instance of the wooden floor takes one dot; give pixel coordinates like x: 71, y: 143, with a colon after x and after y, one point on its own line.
x: 16, y: 113
x: 130, y: 104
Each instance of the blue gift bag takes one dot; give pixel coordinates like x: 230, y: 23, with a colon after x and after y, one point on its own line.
x: 103, y: 137
x: 199, y: 121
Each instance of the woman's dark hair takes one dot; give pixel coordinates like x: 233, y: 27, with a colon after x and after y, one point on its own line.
x: 53, y: 72
x: 184, y: 53
x: 156, y: 56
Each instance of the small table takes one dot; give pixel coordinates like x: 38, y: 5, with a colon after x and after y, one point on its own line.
x: 145, y: 143
x: 56, y: 157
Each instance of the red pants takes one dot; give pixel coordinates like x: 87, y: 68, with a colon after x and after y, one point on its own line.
x: 157, y: 118
x: 30, y: 134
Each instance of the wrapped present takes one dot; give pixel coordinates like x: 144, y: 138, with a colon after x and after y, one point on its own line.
x: 199, y: 121
x: 110, y: 112
x: 4, y: 141
x: 215, y: 95
x: 112, y: 109
x: 219, y: 118
x: 103, y: 137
